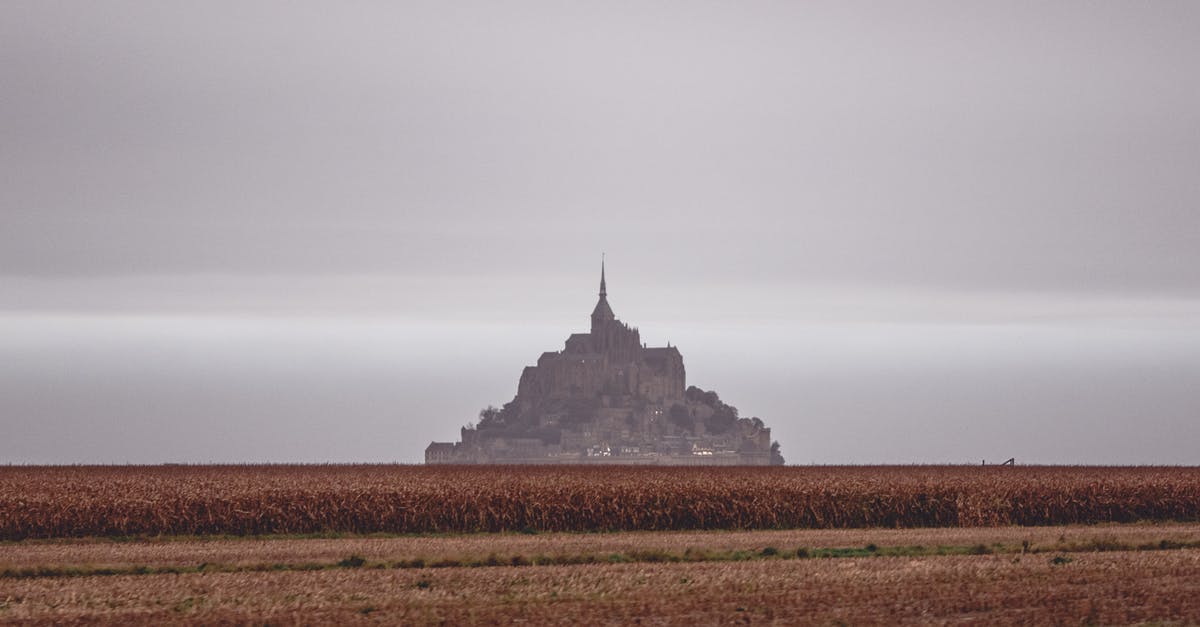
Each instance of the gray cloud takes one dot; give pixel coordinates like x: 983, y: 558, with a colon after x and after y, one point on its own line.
x: 1002, y: 146
x: 821, y: 164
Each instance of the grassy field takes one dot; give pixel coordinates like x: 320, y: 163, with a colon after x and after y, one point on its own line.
x: 1105, y: 574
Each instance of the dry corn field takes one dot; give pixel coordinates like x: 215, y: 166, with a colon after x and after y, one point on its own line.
x: 815, y: 545
x: 79, y: 501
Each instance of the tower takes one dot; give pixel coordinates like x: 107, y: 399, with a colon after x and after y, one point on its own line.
x: 609, y: 336
x: 602, y: 314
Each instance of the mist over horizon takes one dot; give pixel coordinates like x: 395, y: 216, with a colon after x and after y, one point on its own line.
x: 267, y: 232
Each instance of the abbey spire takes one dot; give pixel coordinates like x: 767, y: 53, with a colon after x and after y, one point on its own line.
x: 602, y: 313
x: 603, y: 289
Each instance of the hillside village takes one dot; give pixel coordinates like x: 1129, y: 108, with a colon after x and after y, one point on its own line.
x: 606, y: 397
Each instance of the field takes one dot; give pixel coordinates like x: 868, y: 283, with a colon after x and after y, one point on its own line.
x: 253, y: 500
x: 397, y: 544
x: 1106, y: 574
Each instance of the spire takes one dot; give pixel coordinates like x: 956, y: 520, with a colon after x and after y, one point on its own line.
x: 603, y: 289
x: 602, y: 312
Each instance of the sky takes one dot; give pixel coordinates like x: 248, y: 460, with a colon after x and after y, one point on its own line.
x: 926, y: 232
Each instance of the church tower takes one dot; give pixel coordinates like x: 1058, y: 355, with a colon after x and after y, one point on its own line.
x: 602, y: 314
x: 609, y: 335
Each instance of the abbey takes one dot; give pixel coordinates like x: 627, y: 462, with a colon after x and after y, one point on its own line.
x: 608, y: 398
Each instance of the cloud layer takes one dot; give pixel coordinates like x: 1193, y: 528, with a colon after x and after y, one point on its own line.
x: 763, y: 177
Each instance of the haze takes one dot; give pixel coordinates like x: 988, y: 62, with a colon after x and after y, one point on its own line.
x: 916, y: 233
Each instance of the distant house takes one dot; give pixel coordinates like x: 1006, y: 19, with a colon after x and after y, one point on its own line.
x: 439, y: 453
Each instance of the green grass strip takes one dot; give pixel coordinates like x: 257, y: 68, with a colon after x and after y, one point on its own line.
x: 635, y: 556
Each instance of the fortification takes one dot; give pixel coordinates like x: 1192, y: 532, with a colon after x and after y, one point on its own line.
x: 608, y: 398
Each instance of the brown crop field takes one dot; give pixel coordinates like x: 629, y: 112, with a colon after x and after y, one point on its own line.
x: 1092, y: 587
x: 80, y: 501
x: 497, y: 545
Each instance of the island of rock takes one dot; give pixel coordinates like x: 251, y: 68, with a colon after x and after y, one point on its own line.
x: 608, y: 398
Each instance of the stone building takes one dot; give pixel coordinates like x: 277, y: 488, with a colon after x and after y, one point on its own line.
x: 606, y: 397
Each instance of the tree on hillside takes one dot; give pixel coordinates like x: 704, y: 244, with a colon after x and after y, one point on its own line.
x: 680, y: 416
x: 489, y: 417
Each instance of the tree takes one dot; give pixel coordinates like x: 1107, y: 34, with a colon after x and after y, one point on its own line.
x: 697, y: 395
x: 722, y: 418
x: 510, y: 414
x: 680, y: 416
x: 490, y: 418
x: 776, y: 456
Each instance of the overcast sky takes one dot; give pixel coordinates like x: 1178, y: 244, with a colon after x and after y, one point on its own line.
x: 897, y: 232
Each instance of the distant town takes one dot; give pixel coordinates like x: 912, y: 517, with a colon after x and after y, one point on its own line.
x: 608, y: 398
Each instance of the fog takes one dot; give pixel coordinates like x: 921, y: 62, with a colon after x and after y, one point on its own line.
x: 301, y: 232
